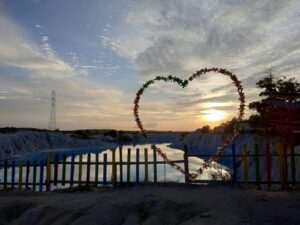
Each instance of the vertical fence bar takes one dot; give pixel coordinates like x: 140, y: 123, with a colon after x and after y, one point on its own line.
x: 186, y: 164
x: 48, y: 172
x: 293, y: 163
x: 137, y: 169
x: 72, y: 170
x: 285, y: 163
x: 88, y: 169
x: 104, y: 169
x: 80, y: 169
x: 41, y: 175
x: 234, y: 166
x: 34, y: 175
x: 114, y: 168
x: 257, y: 177
x: 27, y: 174
x: 20, y: 176
x: 165, y: 175
x: 5, y: 175
x: 55, y: 168
x: 281, y: 165
x: 154, y: 165
x: 121, y: 164
x: 245, y: 159
x: 63, y: 182
x: 128, y: 164
x: 0, y: 172
x: 269, y: 166
x: 13, y: 174
x: 146, y: 165
x: 96, y: 169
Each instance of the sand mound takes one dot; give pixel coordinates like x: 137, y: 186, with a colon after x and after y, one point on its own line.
x: 152, y: 205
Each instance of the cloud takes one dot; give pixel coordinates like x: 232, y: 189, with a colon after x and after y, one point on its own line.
x: 30, y: 71
x: 17, y: 50
x: 38, y: 26
x: 180, y: 37
x: 245, y: 37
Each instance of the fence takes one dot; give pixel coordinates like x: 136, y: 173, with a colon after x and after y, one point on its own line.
x: 43, y: 175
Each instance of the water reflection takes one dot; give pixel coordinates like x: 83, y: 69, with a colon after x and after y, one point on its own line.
x: 165, y: 173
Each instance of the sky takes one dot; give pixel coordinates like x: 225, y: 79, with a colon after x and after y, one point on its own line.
x: 97, y: 54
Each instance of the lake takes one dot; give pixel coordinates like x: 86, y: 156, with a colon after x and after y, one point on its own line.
x: 165, y: 173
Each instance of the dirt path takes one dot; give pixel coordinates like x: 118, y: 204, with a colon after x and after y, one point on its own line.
x: 155, y: 205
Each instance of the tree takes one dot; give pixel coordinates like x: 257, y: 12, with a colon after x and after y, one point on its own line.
x: 276, y: 92
x: 205, y: 129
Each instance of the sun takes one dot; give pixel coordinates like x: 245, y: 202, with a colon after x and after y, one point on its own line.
x: 214, y: 115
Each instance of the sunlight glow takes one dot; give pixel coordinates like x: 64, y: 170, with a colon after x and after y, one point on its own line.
x: 214, y: 115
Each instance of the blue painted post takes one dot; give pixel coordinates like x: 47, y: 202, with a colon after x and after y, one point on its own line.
x: 72, y: 170
x: 34, y: 175
x: 13, y: 174
x: 55, y: 168
x: 5, y: 174
x: 121, y: 164
x: 293, y: 166
x: 104, y: 169
x: 234, y: 168
x: 154, y: 165
x: 27, y: 175
x: 41, y: 175
x: 88, y: 169
x: 113, y: 168
x: 96, y: 168
x: 186, y: 164
x: 137, y: 177
x: 128, y: 164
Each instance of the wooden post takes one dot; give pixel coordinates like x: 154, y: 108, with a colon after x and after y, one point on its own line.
x: 114, y: 168
x: 88, y: 169
x: 146, y: 164
x: 5, y: 175
x: 13, y: 173
x: 96, y: 168
x: 281, y: 164
x: 27, y: 174
x: 72, y: 170
x: 269, y: 166
x: 154, y: 165
x: 41, y: 176
x: 20, y: 175
x: 186, y: 164
x: 48, y: 174
x: 121, y: 165
x: 64, y: 170
x: 128, y: 164
x: 80, y: 169
x: 245, y: 159
x: 293, y: 167
x: 285, y: 164
x: 55, y: 168
x: 34, y: 175
x: 257, y: 169
x: 137, y: 170
x: 104, y: 169
x: 234, y: 167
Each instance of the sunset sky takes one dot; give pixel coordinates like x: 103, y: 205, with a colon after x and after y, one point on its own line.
x: 96, y: 55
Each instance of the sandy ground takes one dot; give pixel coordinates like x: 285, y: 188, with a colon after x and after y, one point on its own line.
x: 219, y: 205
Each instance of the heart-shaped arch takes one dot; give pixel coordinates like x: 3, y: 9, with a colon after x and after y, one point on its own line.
x: 184, y: 83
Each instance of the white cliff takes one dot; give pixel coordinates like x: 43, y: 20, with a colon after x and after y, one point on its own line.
x: 12, y: 144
